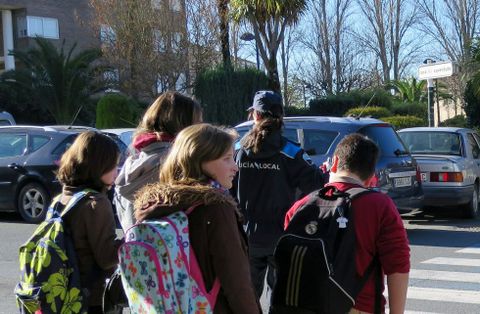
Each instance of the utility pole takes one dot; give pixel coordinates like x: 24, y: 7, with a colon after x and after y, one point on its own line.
x: 430, y: 86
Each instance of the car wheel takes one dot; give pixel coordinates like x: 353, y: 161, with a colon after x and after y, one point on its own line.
x: 33, y: 201
x: 471, y: 209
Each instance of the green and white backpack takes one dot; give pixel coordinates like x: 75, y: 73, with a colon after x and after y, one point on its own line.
x: 50, y: 278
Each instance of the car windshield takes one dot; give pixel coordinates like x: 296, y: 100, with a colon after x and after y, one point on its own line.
x: 386, y: 138
x: 12, y: 144
x: 437, y: 143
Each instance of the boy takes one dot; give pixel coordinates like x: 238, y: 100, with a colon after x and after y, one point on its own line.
x: 378, y: 227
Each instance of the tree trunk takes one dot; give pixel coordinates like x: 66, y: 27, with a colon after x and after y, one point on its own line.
x: 224, y: 32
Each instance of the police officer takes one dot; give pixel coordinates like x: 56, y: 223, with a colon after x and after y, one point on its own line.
x: 271, y: 169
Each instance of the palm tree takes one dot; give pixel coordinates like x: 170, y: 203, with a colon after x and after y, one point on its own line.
x: 410, y: 90
x: 269, y: 18
x: 222, y: 6
x: 61, y: 82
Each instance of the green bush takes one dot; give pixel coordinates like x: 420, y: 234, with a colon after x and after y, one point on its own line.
x: 116, y: 111
x: 410, y: 109
x: 402, y: 122
x: 338, y: 105
x: 457, y: 121
x: 374, y: 112
x: 225, y: 94
x: 296, y: 111
x: 472, y: 105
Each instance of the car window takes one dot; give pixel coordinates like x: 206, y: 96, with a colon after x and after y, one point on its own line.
x: 4, y: 122
x: 386, y: 138
x: 38, y: 141
x: 12, y: 144
x: 317, y: 142
x: 291, y: 134
x: 473, y: 146
x: 64, y: 145
x: 424, y: 142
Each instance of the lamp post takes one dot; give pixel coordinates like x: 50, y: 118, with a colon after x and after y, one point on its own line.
x: 430, y: 96
x: 249, y: 37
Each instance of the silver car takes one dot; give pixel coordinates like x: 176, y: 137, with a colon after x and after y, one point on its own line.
x: 449, y: 161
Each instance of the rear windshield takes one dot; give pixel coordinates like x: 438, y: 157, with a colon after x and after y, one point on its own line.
x: 386, y: 138
x: 437, y: 143
x: 317, y: 142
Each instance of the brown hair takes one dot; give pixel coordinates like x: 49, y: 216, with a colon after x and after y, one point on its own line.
x: 170, y: 113
x: 261, y: 129
x: 193, y: 146
x: 357, y: 154
x: 91, y: 156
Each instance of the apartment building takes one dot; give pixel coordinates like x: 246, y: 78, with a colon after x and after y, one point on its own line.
x: 22, y: 20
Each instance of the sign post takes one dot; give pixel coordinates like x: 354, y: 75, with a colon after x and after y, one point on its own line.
x: 433, y: 70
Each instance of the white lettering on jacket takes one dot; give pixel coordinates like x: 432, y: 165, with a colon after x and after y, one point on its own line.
x: 258, y: 165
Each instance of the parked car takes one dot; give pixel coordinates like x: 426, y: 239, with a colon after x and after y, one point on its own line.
x: 29, y: 155
x: 6, y: 119
x: 449, y: 161
x: 396, y: 171
x: 125, y: 134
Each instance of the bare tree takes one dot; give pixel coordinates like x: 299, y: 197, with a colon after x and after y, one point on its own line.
x: 384, y: 34
x: 287, y: 47
x: 144, y: 42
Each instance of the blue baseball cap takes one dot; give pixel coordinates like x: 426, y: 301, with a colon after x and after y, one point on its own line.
x: 269, y: 102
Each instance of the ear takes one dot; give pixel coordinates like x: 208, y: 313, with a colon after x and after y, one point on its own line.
x: 334, y: 167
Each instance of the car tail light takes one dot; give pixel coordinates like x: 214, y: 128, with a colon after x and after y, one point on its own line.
x: 446, y: 177
x: 418, y: 175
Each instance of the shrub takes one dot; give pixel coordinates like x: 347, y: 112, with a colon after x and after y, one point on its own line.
x: 116, y: 111
x: 410, y: 109
x: 374, y: 112
x: 225, y: 94
x: 402, y: 122
x: 457, y: 121
x: 472, y: 105
x: 296, y: 111
x: 338, y: 105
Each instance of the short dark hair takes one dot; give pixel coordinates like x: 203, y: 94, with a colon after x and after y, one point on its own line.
x: 91, y: 155
x: 358, y: 154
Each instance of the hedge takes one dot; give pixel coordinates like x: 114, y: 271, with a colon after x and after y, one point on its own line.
x: 457, y: 121
x: 225, y: 94
x: 374, y: 112
x: 402, y: 122
x: 116, y: 111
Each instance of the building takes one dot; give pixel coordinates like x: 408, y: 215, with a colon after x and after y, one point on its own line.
x: 23, y: 20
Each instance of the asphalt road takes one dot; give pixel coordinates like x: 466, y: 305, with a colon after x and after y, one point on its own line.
x: 445, y: 258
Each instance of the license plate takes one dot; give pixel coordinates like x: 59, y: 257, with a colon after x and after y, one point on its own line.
x: 423, y: 176
x: 403, y: 181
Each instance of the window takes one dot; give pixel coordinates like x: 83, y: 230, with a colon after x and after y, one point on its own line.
x: 317, y: 142
x: 176, y: 41
x: 439, y: 143
x: 38, y: 141
x: 159, y: 41
x: 473, y: 146
x: 386, y: 138
x: 175, y: 5
x: 107, y: 34
x: 64, y: 145
x: 32, y: 26
x: 157, y: 4
x: 12, y: 144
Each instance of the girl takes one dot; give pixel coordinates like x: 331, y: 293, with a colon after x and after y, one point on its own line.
x: 271, y: 169
x: 199, y: 170
x: 167, y: 116
x: 91, y: 163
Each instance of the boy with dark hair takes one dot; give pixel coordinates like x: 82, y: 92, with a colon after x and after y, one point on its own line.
x: 378, y: 227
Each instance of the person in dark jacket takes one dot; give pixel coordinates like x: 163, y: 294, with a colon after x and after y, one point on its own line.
x: 199, y: 170
x: 271, y: 171
x: 91, y: 163
x: 168, y: 115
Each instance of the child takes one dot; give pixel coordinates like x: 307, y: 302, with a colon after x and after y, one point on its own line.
x: 199, y: 170
x: 91, y: 163
x: 167, y: 116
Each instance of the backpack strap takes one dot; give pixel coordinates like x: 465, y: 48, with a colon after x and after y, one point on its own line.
x: 75, y: 199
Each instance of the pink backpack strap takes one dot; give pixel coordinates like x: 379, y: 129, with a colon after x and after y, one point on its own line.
x: 196, y: 273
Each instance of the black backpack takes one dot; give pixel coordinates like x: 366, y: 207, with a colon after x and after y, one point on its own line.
x: 315, y: 258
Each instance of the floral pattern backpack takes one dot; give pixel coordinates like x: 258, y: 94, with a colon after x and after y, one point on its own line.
x: 160, y: 273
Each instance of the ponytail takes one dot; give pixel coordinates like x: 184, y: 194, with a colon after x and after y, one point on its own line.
x: 267, y: 125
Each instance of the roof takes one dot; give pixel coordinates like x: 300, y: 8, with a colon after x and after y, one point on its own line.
x: 52, y: 128
x: 322, y: 119
x: 435, y: 129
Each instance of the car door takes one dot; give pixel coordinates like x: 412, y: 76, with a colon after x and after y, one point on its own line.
x: 13, y: 146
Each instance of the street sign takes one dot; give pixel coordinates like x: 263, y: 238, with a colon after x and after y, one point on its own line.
x: 436, y: 70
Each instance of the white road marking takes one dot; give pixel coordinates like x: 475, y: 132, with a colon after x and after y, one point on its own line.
x: 475, y: 262
x: 444, y: 275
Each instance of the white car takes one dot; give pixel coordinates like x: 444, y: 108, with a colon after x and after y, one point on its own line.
x: 449, y: 161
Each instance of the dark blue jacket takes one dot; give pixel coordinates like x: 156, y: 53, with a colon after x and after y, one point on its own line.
x: 267, y: 184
